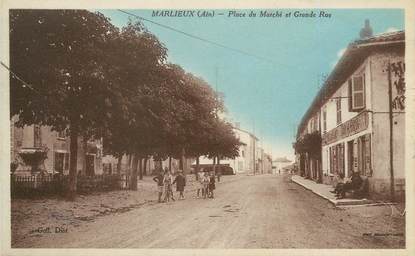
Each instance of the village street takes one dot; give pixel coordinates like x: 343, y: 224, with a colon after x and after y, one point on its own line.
x: 263, y: 211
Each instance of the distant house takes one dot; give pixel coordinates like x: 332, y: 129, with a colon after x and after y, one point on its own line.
x: 57, y: 145
x: 247, y: 161
x: 249, y: 158
x: 352, y: 115
x: 267, y: 164
x: 280, y: 163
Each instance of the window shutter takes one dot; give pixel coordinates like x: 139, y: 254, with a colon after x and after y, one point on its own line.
x: 368, y: 167
x: 358, y: 95
x: 350, y: 95
x: 331, y: 159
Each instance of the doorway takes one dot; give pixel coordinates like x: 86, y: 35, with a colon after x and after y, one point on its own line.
x: 90, y: 164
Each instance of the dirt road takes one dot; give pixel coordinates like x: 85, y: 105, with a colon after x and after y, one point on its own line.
x: 248, y: 212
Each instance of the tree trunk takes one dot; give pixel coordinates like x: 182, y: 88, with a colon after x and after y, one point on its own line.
x: 129, y: 163
x: 74, y: 132
x: 119, y: 164
x: 140, y: 167
x: 84, y: 149
x: 214, y: 164
x: 183, y: 158
x: 133, y: 185
x: 218, y: 167
x: 145, y: 166
x: 197, y: 168
x: 170, y: 163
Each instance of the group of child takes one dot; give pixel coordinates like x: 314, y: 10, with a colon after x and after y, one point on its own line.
x: 206, y: 184
x: 165, y: 182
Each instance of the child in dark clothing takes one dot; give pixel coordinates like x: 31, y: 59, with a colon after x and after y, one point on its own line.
x: 180, y: 181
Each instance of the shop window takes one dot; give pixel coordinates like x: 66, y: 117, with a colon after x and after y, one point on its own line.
x: 357, y: 93
x: 337, y: 159
x: 364, y: 161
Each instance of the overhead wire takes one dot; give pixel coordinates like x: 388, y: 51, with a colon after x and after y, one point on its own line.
x: 197, y: 37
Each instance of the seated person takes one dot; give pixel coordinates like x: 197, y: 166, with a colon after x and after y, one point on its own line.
x: 340, y: 182
x: 354, y: 184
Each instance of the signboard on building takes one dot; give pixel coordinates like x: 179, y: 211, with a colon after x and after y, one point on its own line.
x: 351, y: 127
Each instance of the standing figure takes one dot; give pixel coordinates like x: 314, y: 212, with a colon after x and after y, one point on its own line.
x: 168, y: 180
x: 211, y: 184
x: 205, y: 184
x: 160, y: 183
x: 200, y: 183
x: 180, y: 181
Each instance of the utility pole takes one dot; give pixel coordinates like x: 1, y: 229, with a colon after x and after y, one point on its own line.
x: 216, y: 110
x: 254, y: 148
x: 392, y: 179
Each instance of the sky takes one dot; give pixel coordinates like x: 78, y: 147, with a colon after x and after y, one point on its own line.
x: 269, y: 89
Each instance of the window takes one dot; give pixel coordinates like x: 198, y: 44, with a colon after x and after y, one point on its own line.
x: 339, y: 110
x: 66, y: 165
x: 357, y: 93
x: 37, y: 136
x: 324, y: 120
x: 107, y: 168
x: 59, y: 162
x: 240, y: 165
x: 62, y: 134
x: 337, y: 159
x: 19, y: 137
x: 364, y: 162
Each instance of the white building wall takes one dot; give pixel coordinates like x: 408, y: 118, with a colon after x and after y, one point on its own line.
x: 331, y: 112
x: 381, y: 148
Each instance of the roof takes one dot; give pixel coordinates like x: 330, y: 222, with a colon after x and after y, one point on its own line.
x: 354, y: 55
x: 251, y: 134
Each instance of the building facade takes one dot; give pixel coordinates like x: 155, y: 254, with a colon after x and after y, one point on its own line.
x: 57, y: 146
x: 279, y: 163
x: 247, y: 160
x: 267, y: 163
x: 359, y: 114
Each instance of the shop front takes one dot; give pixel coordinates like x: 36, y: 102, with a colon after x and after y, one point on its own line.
x: 348, y: 149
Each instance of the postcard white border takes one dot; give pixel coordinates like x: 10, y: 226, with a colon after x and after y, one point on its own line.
x: 407, y: 5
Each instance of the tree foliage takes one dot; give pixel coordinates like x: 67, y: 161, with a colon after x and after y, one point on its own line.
x: 309, y: 143
x: 100, y: 81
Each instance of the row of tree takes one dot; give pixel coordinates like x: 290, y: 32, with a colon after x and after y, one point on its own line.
x: 97, y: 81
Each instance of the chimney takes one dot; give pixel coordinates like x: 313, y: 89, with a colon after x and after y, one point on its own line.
x: 366, y: 31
